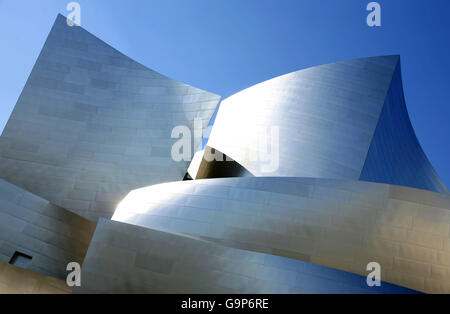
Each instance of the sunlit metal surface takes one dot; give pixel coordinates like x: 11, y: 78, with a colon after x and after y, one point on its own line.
x: 345, y: 120
x: 91, y: 124
x: 199, y: 153
x: 129, y: 259
x: 337, y: 223
x: 326, y: 116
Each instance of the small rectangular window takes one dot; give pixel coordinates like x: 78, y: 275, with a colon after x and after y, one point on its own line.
x: 20, y: 259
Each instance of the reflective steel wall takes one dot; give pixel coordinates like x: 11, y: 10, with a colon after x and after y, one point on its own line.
x: 52, y: 236
x: 91, y: 124
x: 345, y: 120
x: 129, y: 259
x: 326, y: 116
x: 344, y: 224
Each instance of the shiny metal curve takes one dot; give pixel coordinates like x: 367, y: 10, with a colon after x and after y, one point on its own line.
x: 344, y: 120
x: 344, y: 224
x: 124, y: 258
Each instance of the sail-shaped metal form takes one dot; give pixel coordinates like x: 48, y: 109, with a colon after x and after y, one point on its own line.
x: 345, y: 120
x: 91, y: 124
x: 395, y: 155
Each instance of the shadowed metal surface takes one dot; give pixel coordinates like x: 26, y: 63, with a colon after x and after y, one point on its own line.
x: 91, y: 124
x: 219, y: 167
x: 337, y: 223
x: 128, y: 259
x: 51, y: 235
x: 395, y: 155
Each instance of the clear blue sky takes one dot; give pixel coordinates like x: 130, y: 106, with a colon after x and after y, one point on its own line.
x: 227, y: 45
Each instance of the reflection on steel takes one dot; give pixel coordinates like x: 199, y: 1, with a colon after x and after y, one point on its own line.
x: 345, y: 120
x: 124, y: 258
x: 91, y: 124
x: 336, y: 223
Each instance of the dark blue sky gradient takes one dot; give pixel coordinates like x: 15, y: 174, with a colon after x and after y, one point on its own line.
x: 227, y: 45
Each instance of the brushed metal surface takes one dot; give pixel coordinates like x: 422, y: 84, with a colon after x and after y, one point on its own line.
x: 123, y: 258
x: 344, y: 120
x: 51, y: 235
x: 326, y: 117
x: 91, y: 124
x: 344, y: 224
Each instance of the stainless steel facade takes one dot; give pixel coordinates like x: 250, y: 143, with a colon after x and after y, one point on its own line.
x: 91, y: 124
x: 326, y: 117
x: 344, y: 224
x: 345, y: 120
x: 123, y: 258
x: 395, y: 155
x: 52, y: 236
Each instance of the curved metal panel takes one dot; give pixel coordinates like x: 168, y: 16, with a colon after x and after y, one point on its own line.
x: 92, y: 124
x: 52, y: 236
x: 335, y: 223
x: 326, y: 116
x: 128, y: 259
x: 395, y: 155
x: 345, y: 120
